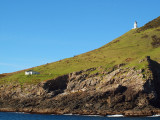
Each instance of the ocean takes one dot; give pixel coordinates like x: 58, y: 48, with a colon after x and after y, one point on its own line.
x: 25, y: 116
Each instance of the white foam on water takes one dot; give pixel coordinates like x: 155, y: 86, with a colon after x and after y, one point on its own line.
x: 154, y: 115
x: 68, y: 114
x: 115, y: 115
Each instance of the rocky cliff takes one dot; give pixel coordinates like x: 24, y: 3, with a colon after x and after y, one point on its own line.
x: 121, y: 90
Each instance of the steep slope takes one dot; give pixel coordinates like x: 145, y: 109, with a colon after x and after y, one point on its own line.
x: 121, y: 91
x: 128, y: 49
x: 122, y: 76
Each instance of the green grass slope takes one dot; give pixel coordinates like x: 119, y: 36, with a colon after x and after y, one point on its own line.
x: 129, y: 49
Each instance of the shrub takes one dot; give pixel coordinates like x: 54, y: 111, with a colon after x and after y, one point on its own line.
x: 155, y: 41
x: 144, y: 36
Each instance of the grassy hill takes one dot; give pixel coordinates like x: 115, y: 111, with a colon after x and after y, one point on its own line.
x: 129, y: 49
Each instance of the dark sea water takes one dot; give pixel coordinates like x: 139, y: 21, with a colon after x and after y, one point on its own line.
x: 23, y: 116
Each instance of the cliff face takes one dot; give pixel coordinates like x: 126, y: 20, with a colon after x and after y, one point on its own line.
x: 93, y: 91
x: 113, y: 79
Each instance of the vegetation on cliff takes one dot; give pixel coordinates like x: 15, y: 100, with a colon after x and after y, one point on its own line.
x: 121, y: 77
x: 127, y: 50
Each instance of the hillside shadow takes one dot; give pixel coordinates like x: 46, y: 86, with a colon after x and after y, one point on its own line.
x: 154, y: 82
x: 57, y: 85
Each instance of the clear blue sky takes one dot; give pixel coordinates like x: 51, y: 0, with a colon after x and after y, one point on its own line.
x: 35, y: 32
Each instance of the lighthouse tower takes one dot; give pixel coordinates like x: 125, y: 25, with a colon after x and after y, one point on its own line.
x: 135, y: 25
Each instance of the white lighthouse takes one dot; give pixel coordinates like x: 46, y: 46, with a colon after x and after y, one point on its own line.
x: 135, y: 25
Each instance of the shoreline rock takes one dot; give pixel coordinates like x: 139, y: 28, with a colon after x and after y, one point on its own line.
x: 122, y: 91
x: 89, y: 113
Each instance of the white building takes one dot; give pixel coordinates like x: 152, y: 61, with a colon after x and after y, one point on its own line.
x: 31, y: 72
x: 135, y: 25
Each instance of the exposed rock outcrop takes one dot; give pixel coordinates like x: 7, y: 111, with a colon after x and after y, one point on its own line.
x: 122, y: 91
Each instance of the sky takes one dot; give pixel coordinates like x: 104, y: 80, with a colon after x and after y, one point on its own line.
x: 36, y: 32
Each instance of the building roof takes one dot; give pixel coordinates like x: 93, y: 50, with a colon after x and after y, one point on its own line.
x: 30, y: 71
